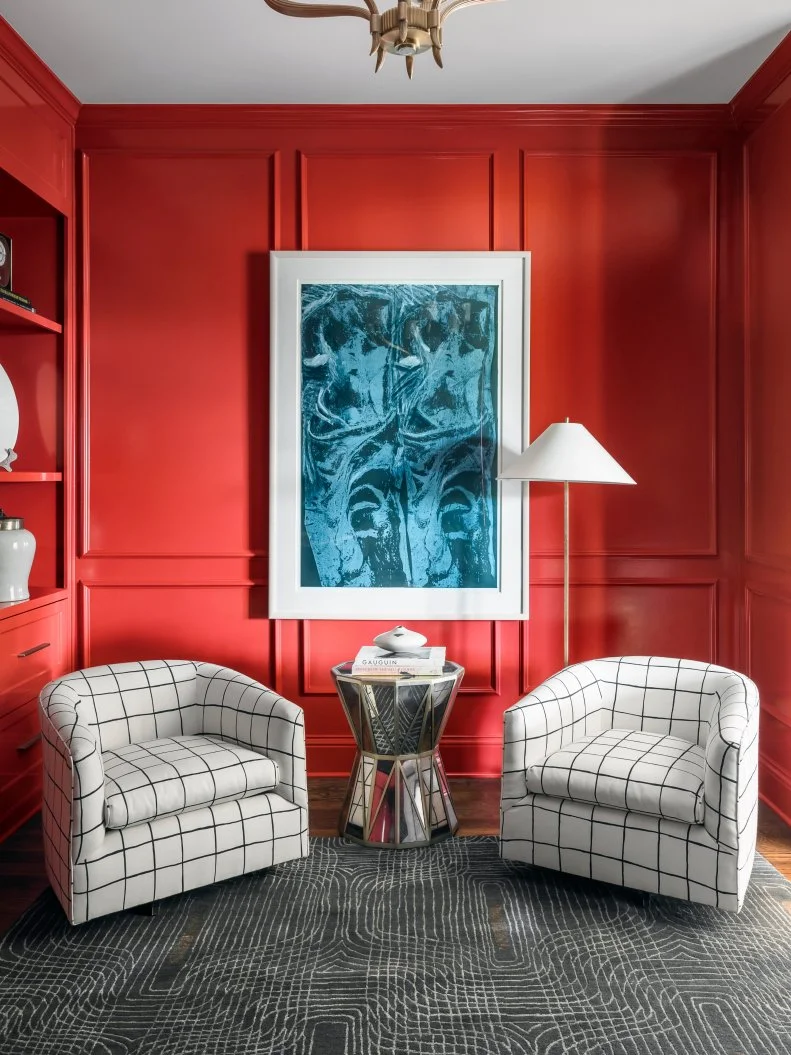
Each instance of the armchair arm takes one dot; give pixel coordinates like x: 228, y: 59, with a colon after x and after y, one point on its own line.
x: 730, y: 789
x: 563, y: 708
x: 237, y: 708
x: 73, y: 776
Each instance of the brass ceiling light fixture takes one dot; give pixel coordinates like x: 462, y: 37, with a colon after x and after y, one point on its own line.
x: 407, y: 29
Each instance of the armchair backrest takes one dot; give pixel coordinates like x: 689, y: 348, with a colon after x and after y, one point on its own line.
x: 675, y: 697
x: 126, y: 703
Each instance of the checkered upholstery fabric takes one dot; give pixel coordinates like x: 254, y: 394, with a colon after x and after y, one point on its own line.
x: 629, y: 770
x: 95, y: 870
x: 161, y: 777
x: 129, y: 703
x: 716, y: 709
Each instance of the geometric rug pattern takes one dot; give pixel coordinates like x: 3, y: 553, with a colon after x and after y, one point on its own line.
x: 444, y: 950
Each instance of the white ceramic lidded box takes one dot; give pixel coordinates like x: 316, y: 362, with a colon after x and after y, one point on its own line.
x: 17, y: 549
x: 400, y: 639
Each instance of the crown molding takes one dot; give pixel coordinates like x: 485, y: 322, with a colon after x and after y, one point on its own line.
x: 24, y: 61
x: 181, y: 116
x: 767, y: 89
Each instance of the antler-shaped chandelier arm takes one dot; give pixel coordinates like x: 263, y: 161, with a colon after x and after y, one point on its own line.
x: 291, y: 7
x: 457, y: 5
x: 406, y: 28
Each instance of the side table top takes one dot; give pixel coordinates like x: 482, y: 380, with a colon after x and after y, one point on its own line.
x: 344, y: 670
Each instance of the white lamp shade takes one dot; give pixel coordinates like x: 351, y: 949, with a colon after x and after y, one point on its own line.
x: 567, y: 452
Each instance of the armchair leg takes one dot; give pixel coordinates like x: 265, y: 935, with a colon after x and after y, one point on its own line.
x: 147, y: 910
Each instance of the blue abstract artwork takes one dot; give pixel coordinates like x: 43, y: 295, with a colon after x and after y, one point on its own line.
x: 399, y: 404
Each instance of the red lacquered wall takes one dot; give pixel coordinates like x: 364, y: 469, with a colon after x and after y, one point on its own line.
x: 768, y: 438
x: 630, y: 216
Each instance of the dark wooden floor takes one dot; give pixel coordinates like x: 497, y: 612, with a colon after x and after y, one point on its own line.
x: 477, y: 803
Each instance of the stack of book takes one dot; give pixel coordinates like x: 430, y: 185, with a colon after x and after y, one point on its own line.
x: 16, y: 298
x: 419, y: 662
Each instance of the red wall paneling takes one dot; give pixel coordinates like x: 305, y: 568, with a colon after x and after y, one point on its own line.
x: 176, y: 342
x: 395, y: 203
x: 767, y: 567
x: 624, y: 336
x: 213, y: 622
x: 611, y: 618
x: 768, y: 619
x: 768, y: 444
x: 622, y: 215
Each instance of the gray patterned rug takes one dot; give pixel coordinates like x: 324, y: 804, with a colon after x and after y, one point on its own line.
x: 368, y: 952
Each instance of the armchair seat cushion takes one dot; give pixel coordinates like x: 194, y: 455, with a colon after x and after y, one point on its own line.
x: 628, y: 770
x: 158, y: 778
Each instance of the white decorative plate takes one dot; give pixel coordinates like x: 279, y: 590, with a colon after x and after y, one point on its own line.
x: 9, y: 414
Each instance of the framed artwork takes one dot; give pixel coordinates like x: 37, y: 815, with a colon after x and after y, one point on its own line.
x: 399, y: 386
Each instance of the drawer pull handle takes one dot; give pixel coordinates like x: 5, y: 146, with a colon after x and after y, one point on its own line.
x: 30, y: 651
x: 29, y: 743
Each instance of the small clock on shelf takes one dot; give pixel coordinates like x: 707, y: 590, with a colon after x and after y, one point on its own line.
x: 5, y: 262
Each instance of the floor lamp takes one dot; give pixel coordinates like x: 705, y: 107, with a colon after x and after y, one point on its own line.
x: 566, y: 453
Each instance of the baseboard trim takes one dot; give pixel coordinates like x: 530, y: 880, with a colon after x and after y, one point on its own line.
x: 776, y: 789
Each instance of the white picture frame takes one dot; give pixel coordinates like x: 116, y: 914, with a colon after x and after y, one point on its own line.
x: 292, y: 592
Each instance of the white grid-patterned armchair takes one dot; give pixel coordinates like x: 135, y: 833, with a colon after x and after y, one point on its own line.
x: 636, y: 771
x: 163, y: 776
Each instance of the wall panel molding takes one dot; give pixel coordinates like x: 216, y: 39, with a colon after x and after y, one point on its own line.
x: 596, y: 170
x: 766, y: 160
x: 685, y: 626
x: 767, y: 566
x: 654, y: 172
x: 397, y: 215
x: 85, y: 402
x: 776, y: 595
x: 490, y: 686
x: 249, y: 594
x: 763, y: 112
x: 273, y: 188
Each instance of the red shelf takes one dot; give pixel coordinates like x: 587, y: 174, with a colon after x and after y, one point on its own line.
x: 39, y: 596
x: 18, y: 320
x: 29, y: 478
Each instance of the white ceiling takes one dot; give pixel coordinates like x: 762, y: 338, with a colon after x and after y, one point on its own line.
x: 517, y: 51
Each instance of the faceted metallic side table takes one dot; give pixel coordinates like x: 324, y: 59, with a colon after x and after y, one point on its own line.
x: 398, y: 793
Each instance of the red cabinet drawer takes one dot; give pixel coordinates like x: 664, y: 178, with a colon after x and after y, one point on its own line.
x: 31, y: 654
x: 20, y: 767
x: 20, y: 742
